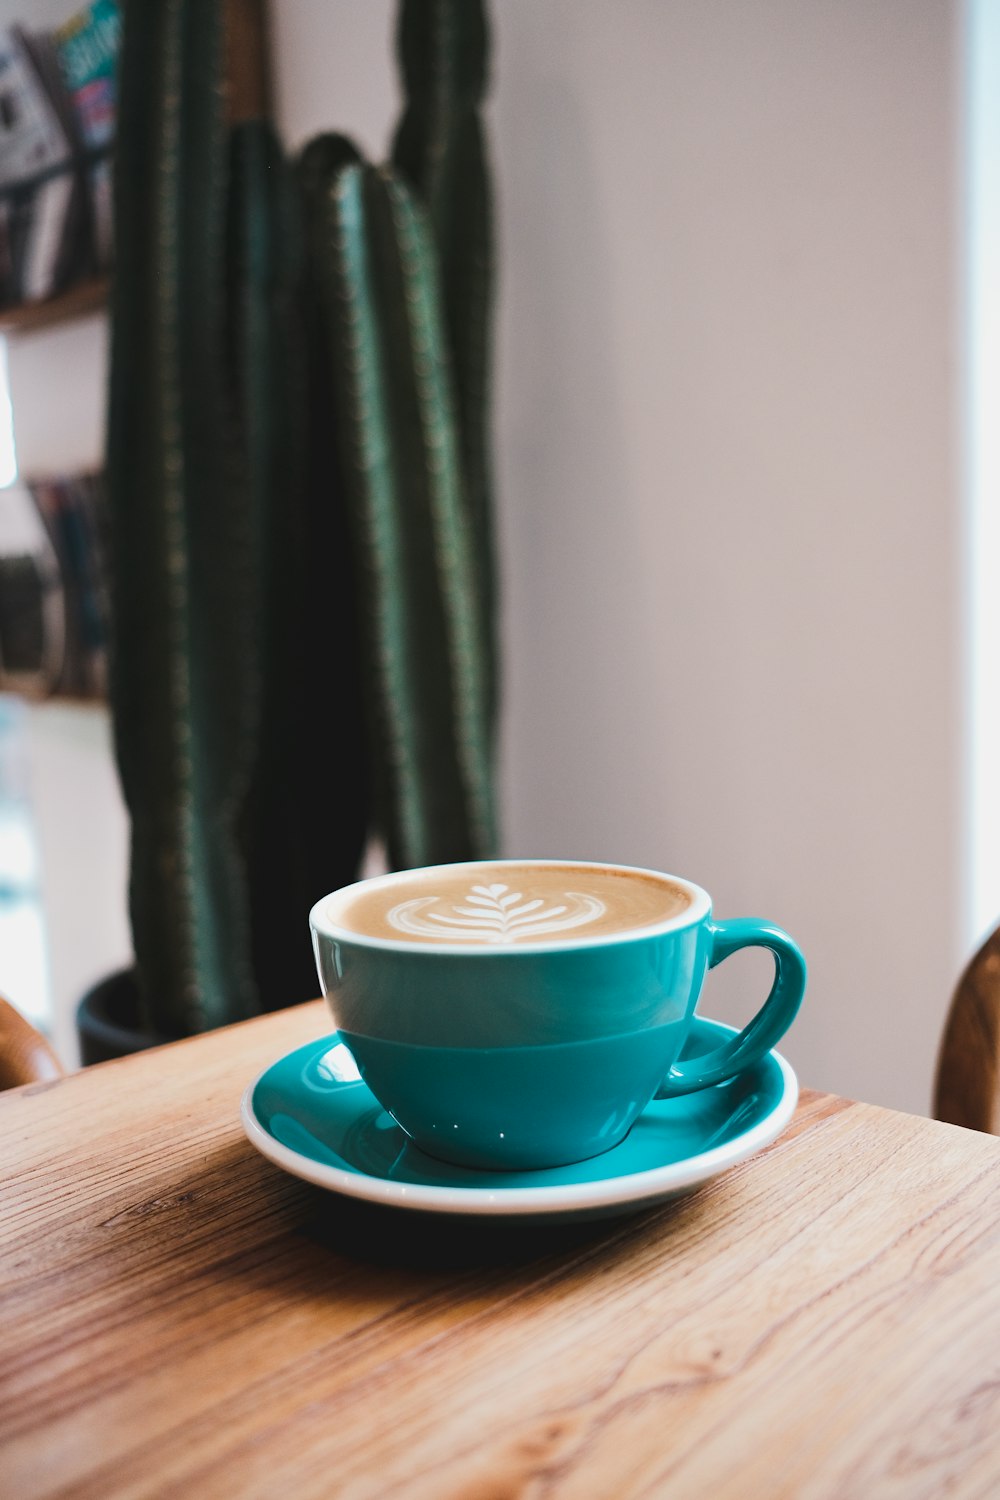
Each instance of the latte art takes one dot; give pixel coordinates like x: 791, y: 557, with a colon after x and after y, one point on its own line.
x: 493, y: 914
x: 507, y: 903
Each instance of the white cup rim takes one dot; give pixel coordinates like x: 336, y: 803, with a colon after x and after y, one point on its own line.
x: 325, y: 923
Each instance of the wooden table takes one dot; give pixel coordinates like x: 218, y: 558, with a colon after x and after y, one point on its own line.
x: 180, y: 1318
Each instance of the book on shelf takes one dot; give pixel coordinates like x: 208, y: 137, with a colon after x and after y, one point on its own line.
x: 72, y: 511
x: 54, y: 609
x: 57, y: 120
x: 41, y: 192
x: 31, y: 624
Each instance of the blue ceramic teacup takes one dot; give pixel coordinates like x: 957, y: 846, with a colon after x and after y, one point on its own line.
x: 514, y: 1025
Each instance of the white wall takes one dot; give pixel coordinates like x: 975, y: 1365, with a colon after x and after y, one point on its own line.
x: 82, y: 833
x: 728, y: 460
x: 733, y: 524
x: 58, y: 389
x: 982, y: 393
x: 729, y: 499
x: 57, y: 376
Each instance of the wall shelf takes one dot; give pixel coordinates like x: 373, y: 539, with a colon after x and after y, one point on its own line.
x: 76, y: 302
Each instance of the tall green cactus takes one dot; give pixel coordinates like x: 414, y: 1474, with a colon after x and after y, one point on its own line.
x: 298, y: 495
x: 301, y: 836
x: 311, y: 811
x: 222, y: 735
x: 405, y: 271
x: 443, y: 49
x: 404, y: 476
x: 183, y: 688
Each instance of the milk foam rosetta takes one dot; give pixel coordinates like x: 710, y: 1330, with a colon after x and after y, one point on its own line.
x: 511, y: 904
x: 493, y: 914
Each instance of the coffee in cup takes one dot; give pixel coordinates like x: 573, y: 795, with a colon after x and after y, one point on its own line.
x: 509, y: 903
x: 517, y: 1014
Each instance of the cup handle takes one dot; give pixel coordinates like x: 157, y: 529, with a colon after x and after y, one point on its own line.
x: 768, y: 1025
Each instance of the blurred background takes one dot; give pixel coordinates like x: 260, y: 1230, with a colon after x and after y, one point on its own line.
x: 748, y: 490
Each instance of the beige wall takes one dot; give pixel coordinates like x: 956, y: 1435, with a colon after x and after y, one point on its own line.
x: 58, y: 382
x: 58, y: 388
x: 82, y: 834
x: 57, y: 377
x: 727, y: 438
x: 730, y: 479
x: 728, y: 499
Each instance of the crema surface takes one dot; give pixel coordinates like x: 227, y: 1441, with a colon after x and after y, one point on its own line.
x: 510, y: 904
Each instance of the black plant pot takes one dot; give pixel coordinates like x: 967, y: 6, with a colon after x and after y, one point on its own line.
x: 108, y: 1020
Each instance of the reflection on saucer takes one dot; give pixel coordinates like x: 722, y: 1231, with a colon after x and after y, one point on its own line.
x: 312, y: 1115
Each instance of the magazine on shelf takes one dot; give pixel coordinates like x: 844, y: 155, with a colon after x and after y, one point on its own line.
x: 58, y: 101
x: 33, y: 137
x: 42, y: 196
x: 87, y: 47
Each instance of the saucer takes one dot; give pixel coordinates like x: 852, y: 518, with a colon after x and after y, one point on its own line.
x: 311, y: 1114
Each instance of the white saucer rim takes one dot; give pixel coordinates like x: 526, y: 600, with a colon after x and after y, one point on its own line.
x: 618, y: 1190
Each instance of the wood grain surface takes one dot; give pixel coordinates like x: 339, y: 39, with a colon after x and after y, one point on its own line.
x: 180, y: 1318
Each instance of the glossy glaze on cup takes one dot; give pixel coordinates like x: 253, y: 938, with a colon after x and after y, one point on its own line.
x: 311, y: 1114
x: 516, y: 1056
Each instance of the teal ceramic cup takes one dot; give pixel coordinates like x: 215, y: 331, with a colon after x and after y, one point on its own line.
x: 513, y: 1056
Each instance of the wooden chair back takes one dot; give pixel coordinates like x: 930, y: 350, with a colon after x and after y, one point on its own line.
x: 967, y: 1088
x: 25, y: 1055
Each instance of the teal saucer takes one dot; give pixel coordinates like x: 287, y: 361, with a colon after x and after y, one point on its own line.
x: 310, y: 1114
